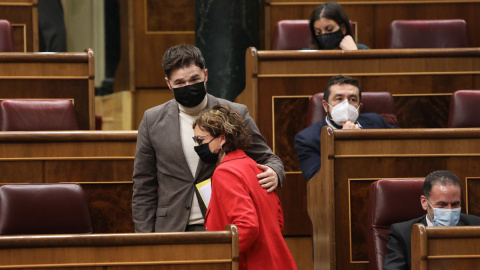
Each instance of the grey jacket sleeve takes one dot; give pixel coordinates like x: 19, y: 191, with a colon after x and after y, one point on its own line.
x: 259, y: 150
x: 145, y: 184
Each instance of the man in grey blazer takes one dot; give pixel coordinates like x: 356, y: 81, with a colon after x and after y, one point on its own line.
x: 166, y: 165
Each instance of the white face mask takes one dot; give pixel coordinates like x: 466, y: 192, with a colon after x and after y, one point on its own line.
x: 445, y: 217
x: 344, y: 111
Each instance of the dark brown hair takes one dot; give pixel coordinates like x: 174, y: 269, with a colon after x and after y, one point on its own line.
x: 181, y: 56
x: 332, y: 11
x: 220, y: 119
x: 441, y: 178
x: 340, y: 80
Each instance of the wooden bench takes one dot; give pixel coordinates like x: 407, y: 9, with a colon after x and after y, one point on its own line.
x: 51, y: 76
x: 351, y: 160
x: 445, y: 247
x: 188, y: 250
x: 280, y: 83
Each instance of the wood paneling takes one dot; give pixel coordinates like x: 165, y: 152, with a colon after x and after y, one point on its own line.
x: 148, y: 29
x: 373, y: 18
x: 196, y: 250
x: 51, y: 76
x: 169, y: 16
x: 102, y: 162
x: 279, y: 84
x: 445, y: 247
x: 352, y: 160
x: 23, y: 16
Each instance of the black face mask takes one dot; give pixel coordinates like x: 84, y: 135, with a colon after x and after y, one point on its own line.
x: 190, y: 95
x: 203, y: 151
x: 329, y: 41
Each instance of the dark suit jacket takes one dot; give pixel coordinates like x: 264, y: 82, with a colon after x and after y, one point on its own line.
x: 163, y: 185
x: 307, y: 141
x: 399, y: 254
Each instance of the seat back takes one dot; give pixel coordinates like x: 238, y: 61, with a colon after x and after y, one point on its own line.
x: 43, y: 209
x: 295, y: 35
x: 37, y: 115
x: 6, y: 37
x: 464, y: 109
x: 373, y: 102
x: 291, y: 35
x: 428, y: 34
x: 391, y: 201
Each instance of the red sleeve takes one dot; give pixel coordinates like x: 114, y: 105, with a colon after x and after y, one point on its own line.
x: 234, y: 196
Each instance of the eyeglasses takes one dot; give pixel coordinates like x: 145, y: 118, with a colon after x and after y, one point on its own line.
x: 199, y: 139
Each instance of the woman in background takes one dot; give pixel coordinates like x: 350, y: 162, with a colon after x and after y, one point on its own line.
x: 331, y: 29
x: 237, y: 197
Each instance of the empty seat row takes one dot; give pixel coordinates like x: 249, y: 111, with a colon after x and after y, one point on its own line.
x: 295, y: 34
x: 43, y: 209
x: 37, y: 115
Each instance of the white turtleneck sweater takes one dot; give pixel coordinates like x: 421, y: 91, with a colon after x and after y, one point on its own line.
x: 187, y: 116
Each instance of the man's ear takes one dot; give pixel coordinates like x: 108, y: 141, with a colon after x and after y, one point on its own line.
x: 325, y: 106
x: 344, y: 29
x: 206, y: 75
x: 423, y: 201
x: 168, y: 84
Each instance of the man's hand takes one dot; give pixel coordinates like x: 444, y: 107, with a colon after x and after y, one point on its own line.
x: 268, y: 179
x: 347, y: 43
x: 350, y: 125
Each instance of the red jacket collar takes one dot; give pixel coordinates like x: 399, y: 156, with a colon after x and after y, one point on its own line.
x: 237, y: 154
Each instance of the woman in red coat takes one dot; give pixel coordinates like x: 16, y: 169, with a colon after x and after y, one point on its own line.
x: 237, y: 197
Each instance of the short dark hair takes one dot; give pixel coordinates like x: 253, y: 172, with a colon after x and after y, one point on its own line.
x: 332, y: 11
x: 441, y: 178
x: 340, y: 80
x: 220, y: 119
x: 181, y: 56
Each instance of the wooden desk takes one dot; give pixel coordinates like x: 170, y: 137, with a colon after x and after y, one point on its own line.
x: 51, y: 76
x: 23, y: 16
x: 101, y: 161
x: 190, y: 250
x: 352, y: 160
x: 445, y: 247
x: 279, y: 84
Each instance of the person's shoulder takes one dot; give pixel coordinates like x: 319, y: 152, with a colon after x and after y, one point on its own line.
x: 221, y: 101
x: 314, y: 128
x: 362, y: 47
x: 470, y: 219
x: 407, y: 225
x: 162, y: 107
x: 370, y: 116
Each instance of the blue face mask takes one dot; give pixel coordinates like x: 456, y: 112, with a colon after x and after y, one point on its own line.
x: 445, y: 217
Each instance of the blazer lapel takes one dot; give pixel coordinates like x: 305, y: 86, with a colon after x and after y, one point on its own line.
x: 173, y: 136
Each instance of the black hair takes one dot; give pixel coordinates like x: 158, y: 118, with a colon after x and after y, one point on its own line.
x: 332, y: 11
x: 182, y: 56
x: 341, y: 79
x: 441, y: 178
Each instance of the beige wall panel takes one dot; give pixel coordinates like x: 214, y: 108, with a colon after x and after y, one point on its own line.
x: 148, y: 98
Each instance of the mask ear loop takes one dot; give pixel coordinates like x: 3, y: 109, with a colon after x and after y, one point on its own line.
x: 431, y: 218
